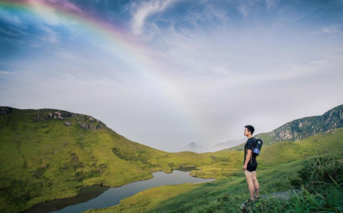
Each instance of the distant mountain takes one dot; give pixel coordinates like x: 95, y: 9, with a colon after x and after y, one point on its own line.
x: 193, y: 145
x: 302, y: 128
x: 229, y: 143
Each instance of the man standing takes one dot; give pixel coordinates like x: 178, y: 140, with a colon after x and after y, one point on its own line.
x: 250, y: 165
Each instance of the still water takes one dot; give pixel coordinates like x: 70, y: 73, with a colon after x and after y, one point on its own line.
x: 100, y: 197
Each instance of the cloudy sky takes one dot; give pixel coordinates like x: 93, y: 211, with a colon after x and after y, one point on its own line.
x: 166, y: 73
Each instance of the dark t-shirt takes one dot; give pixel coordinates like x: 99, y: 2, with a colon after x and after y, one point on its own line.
x: 249, y: 145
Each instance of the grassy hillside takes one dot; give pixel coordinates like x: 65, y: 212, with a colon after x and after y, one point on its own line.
x: 277, y: 164
x: 48, y: 154
x: 272, y: 155
x: 302, y: 128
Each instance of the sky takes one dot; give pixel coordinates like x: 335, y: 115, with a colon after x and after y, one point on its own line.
x: 166, y: 73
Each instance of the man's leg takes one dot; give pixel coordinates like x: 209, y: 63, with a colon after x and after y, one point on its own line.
x: 256, y: 184
x: 249, y: 177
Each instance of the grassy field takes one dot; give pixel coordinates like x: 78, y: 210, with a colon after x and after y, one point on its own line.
x: 278, y: 164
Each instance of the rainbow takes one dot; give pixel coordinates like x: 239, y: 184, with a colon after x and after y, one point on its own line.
x: 115, y: 34
x: 120, y: 39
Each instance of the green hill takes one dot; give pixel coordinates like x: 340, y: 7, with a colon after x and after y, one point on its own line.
x: 302, y: 128
x: 48, y: 154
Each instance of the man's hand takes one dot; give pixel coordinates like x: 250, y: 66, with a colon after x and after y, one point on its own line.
x: 244, y: 167
x: 247, y: 159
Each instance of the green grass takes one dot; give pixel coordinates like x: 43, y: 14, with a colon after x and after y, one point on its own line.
x: 322, y: 183
x: 226, y: 195
x: 278, y: 164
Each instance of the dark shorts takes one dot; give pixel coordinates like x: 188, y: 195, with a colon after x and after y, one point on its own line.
x: 251, y: 168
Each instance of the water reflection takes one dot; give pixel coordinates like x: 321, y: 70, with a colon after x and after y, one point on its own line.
x: 111, y: 196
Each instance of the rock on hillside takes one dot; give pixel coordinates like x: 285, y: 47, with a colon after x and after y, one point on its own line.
x: 5, y: 111
x: 302, y: 128
x: 83, y: 121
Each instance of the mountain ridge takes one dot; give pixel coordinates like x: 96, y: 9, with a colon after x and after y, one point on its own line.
x: 302, y: 128
x: 84, y: 121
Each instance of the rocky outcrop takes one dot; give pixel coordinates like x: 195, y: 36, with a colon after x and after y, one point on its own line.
x: 84, y: 121
x: 304, y: 127
x: 49, y: 114
x: 61, y: 115
x: 87, y: 122
x: 88, y: 126
x: 5, y: 110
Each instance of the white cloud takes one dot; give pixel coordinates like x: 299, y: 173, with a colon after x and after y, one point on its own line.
x: 9, y: 33
x: 13, y: 19
x: 49, y: 37
x: 329, y: 30
x: 47, y: 14
x: 19, y: 30
x: 245, y: 7
x: 144, y: 10
x: 11, y: 40
x: 285, y: 73
x: 70, y: 6
x: 210, y: 13
x: 47, y: 10
x: 244, y: 10
x: 6, y: 73
x: 218, y: 13
x: 270, y: 4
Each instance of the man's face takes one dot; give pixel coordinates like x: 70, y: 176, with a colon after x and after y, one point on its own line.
x: 246, y: 132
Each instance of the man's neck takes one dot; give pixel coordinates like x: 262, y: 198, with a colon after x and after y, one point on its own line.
x: 249, y: 136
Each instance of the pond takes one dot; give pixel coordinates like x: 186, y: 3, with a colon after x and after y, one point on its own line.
x: 100, y: 197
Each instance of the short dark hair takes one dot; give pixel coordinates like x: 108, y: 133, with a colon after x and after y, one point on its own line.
x: 250, y: 128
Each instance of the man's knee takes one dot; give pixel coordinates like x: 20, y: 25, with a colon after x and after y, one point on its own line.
x: 256, y: 184
x: 254, y: 176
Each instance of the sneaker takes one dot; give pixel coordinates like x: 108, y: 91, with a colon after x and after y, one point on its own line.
x: 248, y: 202
x: 257, y: 199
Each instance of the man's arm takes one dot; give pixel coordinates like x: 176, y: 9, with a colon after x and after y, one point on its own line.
x: 247, y: 159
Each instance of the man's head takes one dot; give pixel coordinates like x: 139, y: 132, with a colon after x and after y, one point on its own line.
x: 248, y: 130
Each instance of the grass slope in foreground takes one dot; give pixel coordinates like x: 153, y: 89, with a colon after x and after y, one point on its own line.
x: 48, y: 154
x: 278, y: 164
